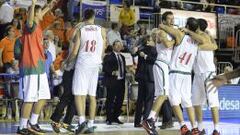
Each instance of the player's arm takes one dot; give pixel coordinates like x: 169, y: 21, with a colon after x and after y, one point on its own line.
x: 176, y: 33
x: 211, y: 44
x: 162, y: 36
x: 31, y: 15
x: 104, y: 36
x: 74, y: 47
x: 196, y: 36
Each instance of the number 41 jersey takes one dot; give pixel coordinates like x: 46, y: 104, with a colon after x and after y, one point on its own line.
x: 91, y: 46
x: 183, y: 55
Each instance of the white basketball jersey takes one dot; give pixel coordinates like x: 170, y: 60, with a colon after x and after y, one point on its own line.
x: 183, y: 55
x: 204, y: 62
x: 164, y: 53
x: 90, y: 51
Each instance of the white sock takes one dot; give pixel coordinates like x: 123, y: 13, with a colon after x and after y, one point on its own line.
x: 34, y: 119
x: 152, y: 115
x: 194, y: 125
x: 182, y: 123
x: 23, y: 123
x: 200, y: 126
x: 81, y: 119
x: 90, y: 123
x: 216, y: 127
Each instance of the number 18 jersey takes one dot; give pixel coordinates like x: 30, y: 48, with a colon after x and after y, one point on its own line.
x: 183, y: 55
x: 91, y: 46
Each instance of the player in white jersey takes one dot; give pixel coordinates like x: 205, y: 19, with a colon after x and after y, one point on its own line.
x: 182, y: 60
x: 89, y: 43
x: 204, y: 70
x: 164, y: 43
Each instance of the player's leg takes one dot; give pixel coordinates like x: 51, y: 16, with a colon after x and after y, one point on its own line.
x: 43, y: 95
x: 79, y: 89
x: 214, y: 105
x: 187, y: 101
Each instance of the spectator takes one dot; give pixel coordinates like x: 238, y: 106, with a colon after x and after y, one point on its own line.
x: 49, y: 36
x: 114, y: 67
x: 68, y: 32
x: 144, y: 76
x: 113, y: 34
x: 7, y: 48
x: 6, y: 16
x: 126, y: 19
x: 16, y: 23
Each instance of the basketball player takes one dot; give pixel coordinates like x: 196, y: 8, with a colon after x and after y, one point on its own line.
x: 34, y: 88
x: 164, y: 44
x: 89, y: 44
x: 204, y: 70
x: 181, y: 65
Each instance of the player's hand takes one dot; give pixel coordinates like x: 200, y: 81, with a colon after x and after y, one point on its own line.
x: 161, y: 26
x: 114, y: 73
x: 34, y: 2
x: 184, y: 30
x: 216, y: 82
x: 142, y: 54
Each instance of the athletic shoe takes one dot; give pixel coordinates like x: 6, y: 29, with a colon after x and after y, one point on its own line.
x: 184, y: 130
x: 23, y: 131
x: 195, y: 131
x: 69, y: 128
x: 149, y: 126
x: 81, y: 128
x: 203, y: 132
x: 36, y: 129
x: 56, y: 127
x: 89, y: 130
x: 215, y: 132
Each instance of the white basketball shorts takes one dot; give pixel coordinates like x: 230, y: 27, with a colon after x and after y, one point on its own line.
x: 180, y: 89
x: 161, y: 78
x: 34, y: 87
x: 85, y: 81
x: 200, y: 94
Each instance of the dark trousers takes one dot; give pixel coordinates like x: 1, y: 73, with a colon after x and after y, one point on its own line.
x: 115, y: 97
x: 67, y: 99
x: 166, y: 111
x: 144, y: 100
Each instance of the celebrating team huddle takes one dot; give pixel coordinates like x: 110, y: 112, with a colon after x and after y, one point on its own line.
x: 181, y: 50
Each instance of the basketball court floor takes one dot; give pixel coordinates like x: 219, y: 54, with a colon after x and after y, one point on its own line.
x: 227, y: 127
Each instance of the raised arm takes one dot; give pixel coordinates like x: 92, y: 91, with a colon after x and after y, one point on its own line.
x: 49, y: 7
x: 196, y: 36
x: 176, y: 33
x: 31, y: 15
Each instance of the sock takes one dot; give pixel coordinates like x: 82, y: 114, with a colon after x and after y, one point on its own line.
x: 216, y: 127
x: 90, y: 123
x: 152, y: 115
x: 81, y: 119
x: 34, y: 119
x: 182, y: 123
x: 23, y: 123
x: 194, y: 125
x: 200, y: 126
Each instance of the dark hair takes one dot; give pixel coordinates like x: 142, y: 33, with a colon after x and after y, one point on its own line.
x: 116, y: 41
x: 192, y: 24
x: 7, y: 29
x: 114, y: 25
x: 202, y: 24
x: 165, y: 14
x: 88, y: 14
